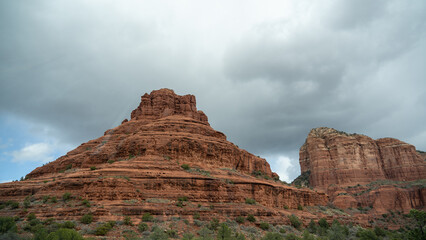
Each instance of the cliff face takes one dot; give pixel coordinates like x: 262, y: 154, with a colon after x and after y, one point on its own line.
x: 358, y: 171
x: 167, y: 150
x: 335, y: 157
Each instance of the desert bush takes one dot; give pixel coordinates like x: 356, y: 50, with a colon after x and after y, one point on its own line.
x: 366, y: 234
x: 66, y: 196
x: 295, y: 221
x: 103, y: 229
x: 87, y: 219
x: 142, y: 227
x: 196, y: 215
x: 188, y: 236
x: 147, y: 217
x: 13, y: 204
x: 172, y: 233
x: 185, y: 167
x: 299, y: 207
x: 205, y: 233
x: 214, y: 224
x: 291, y: 236
x: 53, y: 200
x: 92, y: 168
x: 224, y: 232
x: 85, y: 202
x: 251, y: 218
x: 240, y: 219
x: 250, y: 201
x: 312, y: 227
x: 183, y: 199
x: 65, y: 234
x: 158, y: 234
x: 7, y: 224
x: 68, y: 224
x: 273, y: 236
x: 264, y: 226
x: 127, y: 221
x: 323, y: 223
x: 31, y: 216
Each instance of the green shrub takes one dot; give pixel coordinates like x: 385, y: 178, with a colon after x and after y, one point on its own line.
x: 264, y: 226
x: 323, y: 223
x: 196, y: 215
x: 295, y: 221
x: 46, y: 198
x: 240, y: 219
x: 366, y: 234
x: 127, y: 221
x: 147, y: 217
x: 87, y: 219
x: 65, y: 234
x: 111, y: 161
x: 312, y: 227
x: 40, y: 233
x: 214, y: 224
x: 92, y: 168
x: 158, y: 234
x: 53, y: 200
x: 282, y: 230
x: 299, y: 207
x: 172, y: 233
x: 379, y: 232
x: 273, y: 236
x: 103, y: 229
x: 185, y: 167
x: 68, y: 224
x: 27, y: 203
x: 285, y: 207
x: 183, y: 199
x: 142, y: 227
x: 291, y: 236
x: 224, y: 232
x: 205, y: 233
x: 13, y: 204
x: 85, y: 202
x: 250, y: 201
x: 7, y: 224
x: 251, y: 218
x: 66, y: 196
x: 31, y: 216
x: 188, y: 236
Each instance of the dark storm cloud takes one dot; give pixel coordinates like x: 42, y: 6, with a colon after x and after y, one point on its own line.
x: 265, y: 74
x: 326, y: 68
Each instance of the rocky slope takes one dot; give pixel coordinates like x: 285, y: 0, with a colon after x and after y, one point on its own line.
x: 166, y: 160
x: 358, y: 171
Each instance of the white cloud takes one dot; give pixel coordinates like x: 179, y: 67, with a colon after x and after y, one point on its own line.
x: 5, y: 181
x: 283, y: 166
x: 37, y: 152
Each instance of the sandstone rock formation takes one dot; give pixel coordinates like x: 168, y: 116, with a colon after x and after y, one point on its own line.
x: 358, y: 171
x: 334, y: 157
x: 166, y: 151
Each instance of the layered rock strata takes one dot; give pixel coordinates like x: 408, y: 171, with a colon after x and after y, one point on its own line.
x: 334, y: 157
x: 359, y: 172
x: 166, y: 152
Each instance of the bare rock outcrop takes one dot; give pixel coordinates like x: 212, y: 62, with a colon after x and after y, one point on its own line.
x: 166, y: 151
x: 335, y: 157
x: 358, y: 171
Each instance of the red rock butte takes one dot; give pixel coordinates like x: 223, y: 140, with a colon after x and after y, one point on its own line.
x: 358, y: 171
x: 335, y: 157
x: 166, y: 151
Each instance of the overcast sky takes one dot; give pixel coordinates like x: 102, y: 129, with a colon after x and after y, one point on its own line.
x: 264, y: 72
